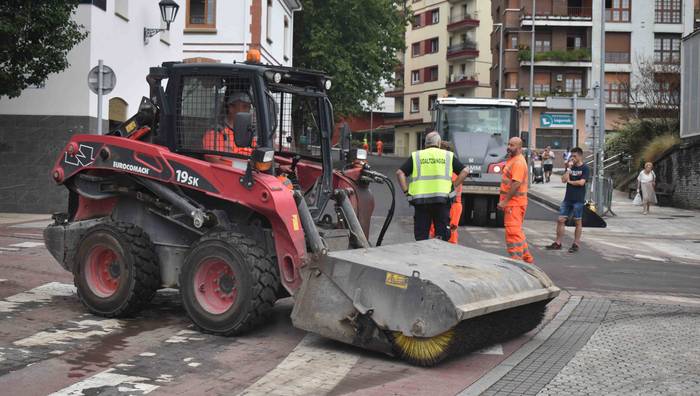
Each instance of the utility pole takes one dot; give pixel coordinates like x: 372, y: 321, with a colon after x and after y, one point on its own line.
x: 500, y: 61
x: 600, y: 152
x: 100, y: 84
x: 532, y: 75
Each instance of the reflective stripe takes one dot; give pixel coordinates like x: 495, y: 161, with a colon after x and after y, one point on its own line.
x: 515, y: 244
x: 448, y: 166
x: 410, y: 179
x: 434, y: 195
x: 517, y: 193
x: 516, y: 254
x: 417, y: 164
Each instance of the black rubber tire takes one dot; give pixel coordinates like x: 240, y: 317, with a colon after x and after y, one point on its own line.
x: 481, y: 211
x: 140, y: 273
x: 257, y: 282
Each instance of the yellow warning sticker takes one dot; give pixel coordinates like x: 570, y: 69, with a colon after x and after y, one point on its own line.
x: 396, y: 280
x: 130, y: 127
x: 295, y: 222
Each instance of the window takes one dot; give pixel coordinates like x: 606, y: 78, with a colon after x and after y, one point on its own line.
x: 543, y: 44
x: 431, y: 101
x: 201, y: 13
x: 414, y: 105
x: 574, y: 42
x: 542, y: 84
x: 617, y: 47
x: 618, y: 10
x: 512, y: 79
x: 514, y: 41
x: 434, y: 45
x: 574, y: 83
x: 435, y: 17
x: 431, y: 73
x: 617, y: 87
x: 415, y: 76
x: 416, y: 21
x: 669, y: 88
x: 286, y: 38
x: 667, y: 48
x: 268, y: 26
x: 668, y: 11
x: 415, y: 49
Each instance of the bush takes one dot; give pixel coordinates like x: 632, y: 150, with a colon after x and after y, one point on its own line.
x: 659, y: 146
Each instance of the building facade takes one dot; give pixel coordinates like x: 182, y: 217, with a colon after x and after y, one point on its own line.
x: 447, y: 55
x: 568, y: 59
x: 224, y: 30
x: 35, y: 126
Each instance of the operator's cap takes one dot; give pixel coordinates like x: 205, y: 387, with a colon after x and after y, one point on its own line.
x: 238, y: 97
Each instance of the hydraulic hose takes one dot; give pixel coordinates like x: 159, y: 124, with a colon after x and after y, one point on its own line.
x: 377, y: 177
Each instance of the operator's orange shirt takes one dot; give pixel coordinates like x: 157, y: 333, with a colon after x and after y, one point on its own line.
x: 224, y: 141
x: 515, y: 170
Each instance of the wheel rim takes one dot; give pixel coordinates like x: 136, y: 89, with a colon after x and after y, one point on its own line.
x: 103, y: 271
x: 215, y: 285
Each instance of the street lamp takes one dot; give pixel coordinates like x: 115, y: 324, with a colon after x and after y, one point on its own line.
x: 168, y: 12
x: 500, y: 59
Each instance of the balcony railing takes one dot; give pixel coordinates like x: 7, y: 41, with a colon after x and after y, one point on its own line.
x: 467, y: 48
x: 572, y: 13
x: 462, y: 81
x: 462, y: 21
x: 394, y: 92
x: 576, y: 55
x: 617, y: 57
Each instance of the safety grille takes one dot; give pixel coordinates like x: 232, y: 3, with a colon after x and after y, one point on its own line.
x: 207, y: 110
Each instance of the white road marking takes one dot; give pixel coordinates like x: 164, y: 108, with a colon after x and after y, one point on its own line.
x: 84, y: 329
x: 492, y: 350
x: 676, y: 249
x: 27, y: 244
x: 615, y: 245
x: 310, y: 368
x: 194, y: 364
x: 41, y: 294
x: 181, y: 337
x: 3, y: 280
x: 124, y: 383
x: 147, y: 354
x: 27, y: 235
x: 7, y: 249
x: 647, y: 257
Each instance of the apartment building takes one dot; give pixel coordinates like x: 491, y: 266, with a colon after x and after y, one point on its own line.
x: 567, y: 56
x: 224, y: 30
x: 447, y: 55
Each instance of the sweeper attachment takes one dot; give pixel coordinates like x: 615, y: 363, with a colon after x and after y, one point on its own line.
x: 223, y: 186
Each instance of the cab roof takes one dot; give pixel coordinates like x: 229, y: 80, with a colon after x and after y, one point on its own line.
x: 478, y: 101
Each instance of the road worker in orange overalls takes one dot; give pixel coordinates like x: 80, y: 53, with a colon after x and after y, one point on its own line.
x: 513, y: 201
x: 455, y: 208
x: 365, y: 146
x: 222, y: 139
x: 380, y: 147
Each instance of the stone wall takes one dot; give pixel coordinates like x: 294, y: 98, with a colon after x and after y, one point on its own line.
x: 29, y: 146
x: 682, y: 167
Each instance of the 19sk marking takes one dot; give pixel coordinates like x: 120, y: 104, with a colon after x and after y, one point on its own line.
x: 185, y: 178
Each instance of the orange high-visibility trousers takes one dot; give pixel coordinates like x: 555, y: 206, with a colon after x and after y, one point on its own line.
x: 516, y: 243
x: 455, y: 214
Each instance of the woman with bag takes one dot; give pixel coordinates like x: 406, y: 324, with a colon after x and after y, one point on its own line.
x: 646, y: 184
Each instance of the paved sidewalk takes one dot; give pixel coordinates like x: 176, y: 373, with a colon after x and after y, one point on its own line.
x: 662, y: 221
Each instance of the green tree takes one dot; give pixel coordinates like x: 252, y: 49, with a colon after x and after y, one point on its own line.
x: 35, y: 37
x: 354, y: 41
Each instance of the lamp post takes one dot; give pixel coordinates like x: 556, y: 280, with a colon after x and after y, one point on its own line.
x: 500, y: 60
x: 168, y: 12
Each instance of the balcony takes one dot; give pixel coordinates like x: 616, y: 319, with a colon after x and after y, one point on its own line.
x: 561, y: 16
x: 617, y: 57
x: 459, y: 81
x: 462, y: 21
x: 569, y: 57
x: 467, y: 49
x: 394, y: 92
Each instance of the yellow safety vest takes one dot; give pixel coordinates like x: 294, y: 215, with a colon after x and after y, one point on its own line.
x: 431, y: 179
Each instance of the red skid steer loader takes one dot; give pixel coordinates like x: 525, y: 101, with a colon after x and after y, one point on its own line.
x: 223, y: 186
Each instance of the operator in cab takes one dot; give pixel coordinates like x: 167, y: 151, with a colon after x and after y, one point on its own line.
x: 222, y: 139
x: 426, y: 179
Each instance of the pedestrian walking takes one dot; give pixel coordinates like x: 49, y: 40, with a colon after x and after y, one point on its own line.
x: 455, y: 208
x: 646, y: 185
x: 548, y: 163
x: 513, y: 201
x: 575, y: 178
x: 380, y: 147
x: 426, y: 179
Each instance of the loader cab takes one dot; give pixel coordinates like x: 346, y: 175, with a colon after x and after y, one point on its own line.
x: 229, y: 110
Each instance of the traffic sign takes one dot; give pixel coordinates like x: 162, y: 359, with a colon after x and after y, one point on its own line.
x: 109, y: 79
x: 567, y: 103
